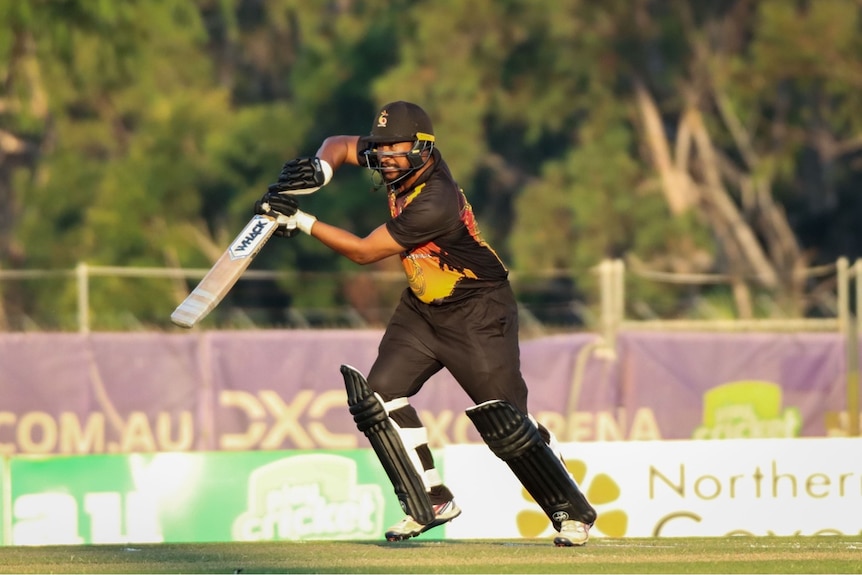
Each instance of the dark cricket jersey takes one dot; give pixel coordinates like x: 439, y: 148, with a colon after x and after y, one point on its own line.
x: 446, y: 258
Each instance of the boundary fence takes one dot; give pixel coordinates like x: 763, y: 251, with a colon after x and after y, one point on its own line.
x: 847, y: 320
x: 612, y: 317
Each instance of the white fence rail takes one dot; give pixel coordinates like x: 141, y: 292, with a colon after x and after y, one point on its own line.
x: 611, y: 320
x: 847, y: 321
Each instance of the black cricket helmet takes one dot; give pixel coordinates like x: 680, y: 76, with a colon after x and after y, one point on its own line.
x: 400, y: 122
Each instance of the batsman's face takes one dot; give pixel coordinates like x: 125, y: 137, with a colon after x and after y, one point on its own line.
x: 393, y: 159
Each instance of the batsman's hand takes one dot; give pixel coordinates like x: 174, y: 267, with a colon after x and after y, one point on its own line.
x: 289, y: 226
x: 281, y: 207
x: 303, y: 176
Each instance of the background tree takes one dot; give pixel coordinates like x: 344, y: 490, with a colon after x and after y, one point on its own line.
x: 698, y: 137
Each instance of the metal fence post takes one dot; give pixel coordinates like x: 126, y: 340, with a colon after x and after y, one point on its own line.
x: 606, y: 300
x: 853, y: 391
x: 847, y: 322
x: 619, y: 293
x: 611, y: 296
x: 82, y: 274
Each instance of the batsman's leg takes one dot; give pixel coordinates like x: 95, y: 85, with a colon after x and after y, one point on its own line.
x: 372, y: 419
x: 404, y: 454
x: 515, y: 438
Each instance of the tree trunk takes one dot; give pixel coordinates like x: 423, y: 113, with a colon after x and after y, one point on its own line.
x: 676, y: 184
x: 715, y: 192
x: 682, y: 190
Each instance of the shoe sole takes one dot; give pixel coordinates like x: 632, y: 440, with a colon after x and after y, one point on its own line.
x: 393, y: 537
x: 566, y: 542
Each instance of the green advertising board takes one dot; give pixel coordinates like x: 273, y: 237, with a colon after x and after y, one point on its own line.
x: 4, y: 504
x: 198, y: 497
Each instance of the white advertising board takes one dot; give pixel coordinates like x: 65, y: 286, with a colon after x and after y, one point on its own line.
x: 692, y: 488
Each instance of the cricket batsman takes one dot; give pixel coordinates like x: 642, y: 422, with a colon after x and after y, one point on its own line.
x: 458, y: 313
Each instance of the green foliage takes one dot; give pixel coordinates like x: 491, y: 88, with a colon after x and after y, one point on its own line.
x: 142, y: 131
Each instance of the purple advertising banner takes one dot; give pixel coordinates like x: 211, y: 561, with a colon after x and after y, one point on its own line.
x: 265, y: 390
x: 709, y: 386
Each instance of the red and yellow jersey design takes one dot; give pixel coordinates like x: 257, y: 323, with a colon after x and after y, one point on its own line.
x: 445, y: 255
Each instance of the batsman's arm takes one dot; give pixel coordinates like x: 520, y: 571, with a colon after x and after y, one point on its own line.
x: 374, y: 247
x: 379, y: 244
x: 339, y: 150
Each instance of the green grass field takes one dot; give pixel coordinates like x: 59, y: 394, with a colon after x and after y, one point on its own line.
x: 824, y: 554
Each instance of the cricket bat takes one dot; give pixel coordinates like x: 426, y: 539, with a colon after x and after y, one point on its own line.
x: 225, y: 272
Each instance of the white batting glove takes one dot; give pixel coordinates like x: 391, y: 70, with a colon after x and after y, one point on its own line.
x: 301, y: 221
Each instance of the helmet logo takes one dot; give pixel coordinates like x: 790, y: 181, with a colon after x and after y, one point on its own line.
x: 382, y: 119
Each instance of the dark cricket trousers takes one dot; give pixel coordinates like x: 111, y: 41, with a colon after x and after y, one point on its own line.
x: 475, y: 338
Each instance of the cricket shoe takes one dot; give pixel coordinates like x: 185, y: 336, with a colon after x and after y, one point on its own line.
x: 573, y: 534
x: 408, y: 527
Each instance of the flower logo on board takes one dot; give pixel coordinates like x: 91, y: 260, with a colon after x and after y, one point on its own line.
x: 601, y: 491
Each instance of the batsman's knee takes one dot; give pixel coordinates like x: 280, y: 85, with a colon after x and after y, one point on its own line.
x: 367, y: 413
x: 514, y: 437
